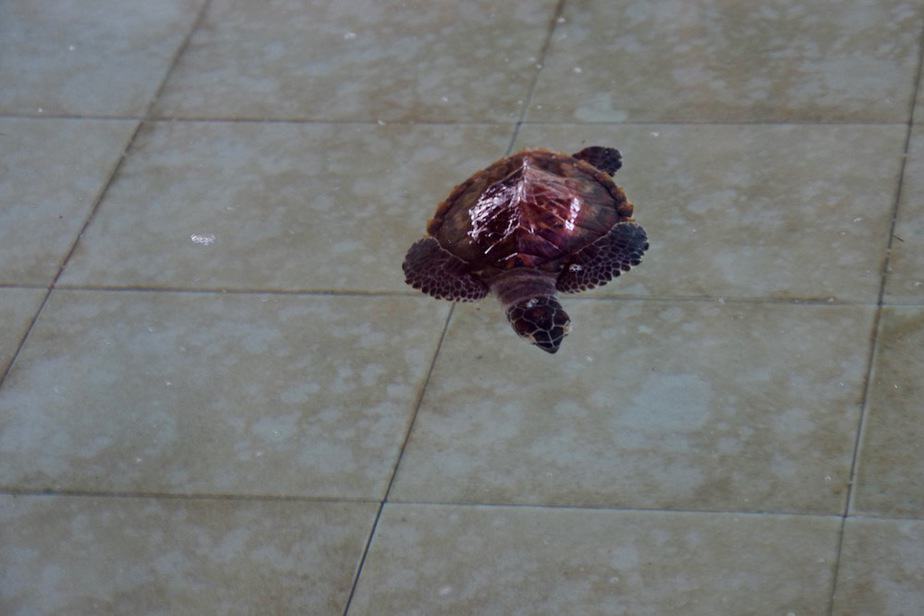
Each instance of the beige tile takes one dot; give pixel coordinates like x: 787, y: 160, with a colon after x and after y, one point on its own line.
x: 88, y: 57
x: 51, y: 174
x: 217, y: 394
x: 268, y: 206
x: 881, y: 569
x: 428, y: 560
x: 99, y: 556
x: 17, y: 307
x: 752, y: 211
x: 742, y: 407
x: 360, y: 60
x: 709, y: 60
x: 891, y: 466
x: 905, y: 280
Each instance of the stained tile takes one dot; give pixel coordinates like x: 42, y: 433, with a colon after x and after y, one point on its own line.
x: 268, y: 206
x: 360, y: 60
x: 881, y: 569
x: 217, y: 394
x: 449, y: 560
x: 891, y: 467
x: 90, y: 57
x: 709, y: 60
x: 17, y: 307
x: 905, y: 280
x: 52, y: 171
x: 743, y: 407
x: 153, y: 556
x: 752, y: 211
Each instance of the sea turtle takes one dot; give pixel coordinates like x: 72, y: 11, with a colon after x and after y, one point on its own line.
x: 529, y: 225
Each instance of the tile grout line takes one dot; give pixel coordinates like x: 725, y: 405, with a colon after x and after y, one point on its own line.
x: 50, y: 287
x: 616, y: 509
x: 877, y: 326
x: 394, y: 473
x: 378, y: 516
x: 796, y: 301
x: 101, y: 194
x: 543, y: 52
x: 125, y: 494
x: 232, y: 497
x: 22, y: 286
x: 418, y: 403
x: 321, y: 121
x: 235, y: 291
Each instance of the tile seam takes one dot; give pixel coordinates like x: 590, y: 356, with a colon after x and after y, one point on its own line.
x: 616, y: 509
x: 551, y: 29
x: 101, y: 193
x: 127, y: 494
x: 394, y: 473
x: 849, y: 502
x: 798, y: 301
x: 543, y: 52
x: 232, y: 497
x: 360, y: 122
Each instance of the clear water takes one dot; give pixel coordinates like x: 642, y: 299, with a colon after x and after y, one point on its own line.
x: 218, y: 395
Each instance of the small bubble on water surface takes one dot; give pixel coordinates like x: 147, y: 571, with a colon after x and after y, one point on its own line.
x: 349, y: 36
x: 578, y: 69
x: 561, y: 20
x: 445, y: 590
x: 202, y: 239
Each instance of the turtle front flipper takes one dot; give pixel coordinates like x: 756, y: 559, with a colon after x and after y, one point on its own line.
x: 600, y: 262
x: 608, y: 160
x: 444, y: 276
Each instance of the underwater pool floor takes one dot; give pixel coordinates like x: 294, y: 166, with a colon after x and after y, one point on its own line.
x: 218, y: 396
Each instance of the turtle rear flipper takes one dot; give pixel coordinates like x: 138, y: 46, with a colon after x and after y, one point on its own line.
x: 444, y: 276
x: 608, y: 160
x: 603, y: 260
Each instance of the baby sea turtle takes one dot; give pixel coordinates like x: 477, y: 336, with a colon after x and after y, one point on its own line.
x: 529, y: 225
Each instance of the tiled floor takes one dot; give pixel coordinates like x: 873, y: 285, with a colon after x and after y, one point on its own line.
x: 217, y: 396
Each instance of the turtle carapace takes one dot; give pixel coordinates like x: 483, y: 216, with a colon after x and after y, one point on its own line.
x: 531, y: 224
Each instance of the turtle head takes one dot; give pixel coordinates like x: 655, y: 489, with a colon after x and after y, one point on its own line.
x: 541, y: 320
